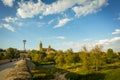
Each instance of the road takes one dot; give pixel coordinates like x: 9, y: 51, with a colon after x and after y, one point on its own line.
x: 5, y: 69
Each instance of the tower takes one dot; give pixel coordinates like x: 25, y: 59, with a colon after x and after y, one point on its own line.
x: 40, y: 46
x: 24, y: 42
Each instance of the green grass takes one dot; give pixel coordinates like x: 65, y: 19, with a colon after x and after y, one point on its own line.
x: 113, y: 74
x: 42, y: 74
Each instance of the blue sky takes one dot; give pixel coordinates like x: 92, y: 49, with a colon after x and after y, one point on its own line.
x: 63, y: 24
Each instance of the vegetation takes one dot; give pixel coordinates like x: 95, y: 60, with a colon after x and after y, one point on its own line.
x: 10, y: 53
x: 83, y: 65
x: 86, y: 64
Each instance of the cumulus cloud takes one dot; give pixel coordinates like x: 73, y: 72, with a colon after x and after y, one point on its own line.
x: 29, y: 9
x: 117, y: 31
x: 59, y: 6
x: 110, y: 43
x: 10, y: 19
x: 8, y: 2
x: 89, y: 7
x: 7, y: 26
x: 76, y: 46
x: 61, y: 37
x: 62, y: 22
x: 84, y: 7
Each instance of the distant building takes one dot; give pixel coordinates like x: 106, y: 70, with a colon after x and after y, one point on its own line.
x: 47, y: 50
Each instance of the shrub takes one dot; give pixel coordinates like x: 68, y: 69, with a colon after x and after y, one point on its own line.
x: 42, y: 76
x: 72, y: 76
x: 113, y: 75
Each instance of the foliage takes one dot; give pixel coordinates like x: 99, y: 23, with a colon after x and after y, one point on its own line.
x: 97, y: 56
x: 111, y: 56
x: 1, y: 55
x: 113, y: 75
x: 60, y: 60
x: 12, y: 53
x: 50, y: 57
x: 37, y: 56
x: 42, y: 74
x: 86, y: 59
x: 92, y: 76
x: 72, y: 76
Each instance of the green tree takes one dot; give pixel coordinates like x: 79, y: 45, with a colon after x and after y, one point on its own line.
x: 60, y: 58
x: 85, y: 57
x: 10, y: 53
x: 1, y: 55
x: 111, y: 56
x: 51, y: 57
x: 69, y: 56
x: 36, y: 57
x: 97, y: 56
x: 110, y: 53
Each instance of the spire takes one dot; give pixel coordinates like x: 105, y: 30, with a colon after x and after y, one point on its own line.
x: 40, y: 46
x: 49, y: 47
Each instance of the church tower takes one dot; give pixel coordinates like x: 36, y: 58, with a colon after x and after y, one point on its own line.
x: 40, y: 46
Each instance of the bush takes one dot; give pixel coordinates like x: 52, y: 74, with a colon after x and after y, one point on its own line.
x: 42, y: 76
x: 113, y: 75
x: 72, y: 76
x: 92, y: 76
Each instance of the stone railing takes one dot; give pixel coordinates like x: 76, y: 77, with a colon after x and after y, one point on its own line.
x: 21, y: 71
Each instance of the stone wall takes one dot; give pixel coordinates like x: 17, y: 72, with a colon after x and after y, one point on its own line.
x: 21, y: 71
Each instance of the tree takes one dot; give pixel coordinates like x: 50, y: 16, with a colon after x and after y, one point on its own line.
x: 50, y: 57
x: 110, y: 53
x: 12, y: 53
x: 1, y: 55
x: 69, y: 56
x: 111, y: 56
x: 97, y: 56
x: 36, y: 57
x: 85, y: 57
x: 60, y: 60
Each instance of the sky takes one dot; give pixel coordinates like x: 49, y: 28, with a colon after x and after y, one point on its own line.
x: 63, y: 24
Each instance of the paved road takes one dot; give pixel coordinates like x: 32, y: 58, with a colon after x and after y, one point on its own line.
x: 5, y: 69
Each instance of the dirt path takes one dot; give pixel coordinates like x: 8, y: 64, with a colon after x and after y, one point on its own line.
x: 5, y: 69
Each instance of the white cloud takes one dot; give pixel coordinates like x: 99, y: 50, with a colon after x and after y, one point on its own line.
x: 84, y: 7
x: 109, y: 41
x: 62, y: 22
x: 29, y: 9
x: 113, y: 43
x: 51, y: 21
x: 76, y: 46
x: 61, y: 37
x: 70, y: 44
x: 19, y: 23
x: 89, y: 7
x: 59, y: 6
x: 7, y: 26
x: 10, y: 19
x: 85, y: 40
x: 8, y: 2
x: 117, y: 31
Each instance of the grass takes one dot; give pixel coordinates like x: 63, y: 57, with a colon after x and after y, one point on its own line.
x: 42, y: 74
x: 77, y: 72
